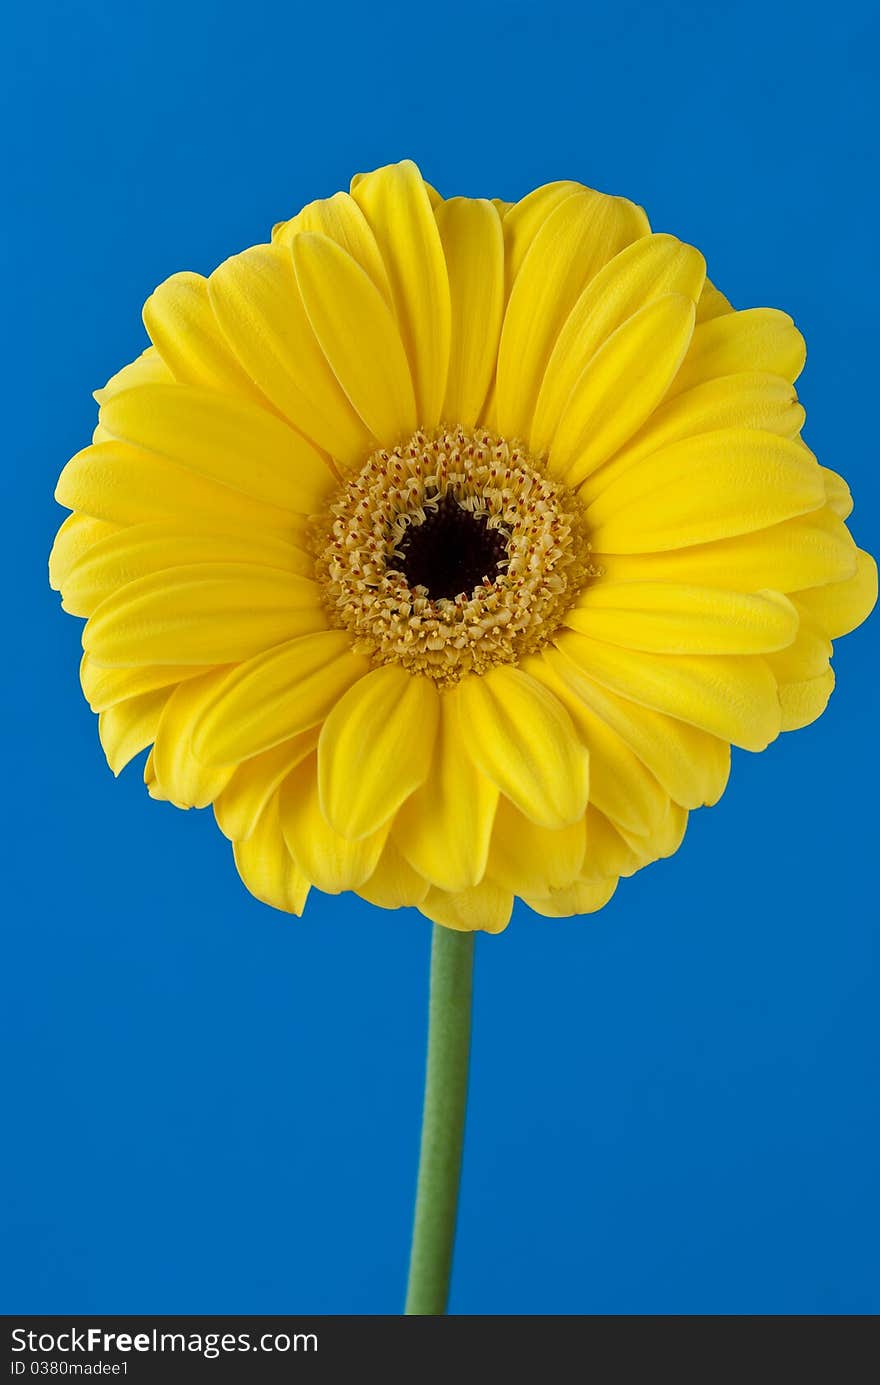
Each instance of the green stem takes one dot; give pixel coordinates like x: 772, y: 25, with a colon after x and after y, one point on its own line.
x: 449, y: 1034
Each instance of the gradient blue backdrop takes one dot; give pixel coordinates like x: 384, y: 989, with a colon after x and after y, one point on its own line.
x: 215, y: 1109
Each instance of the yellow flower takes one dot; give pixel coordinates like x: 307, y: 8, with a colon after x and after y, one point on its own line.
x: 446, y: 547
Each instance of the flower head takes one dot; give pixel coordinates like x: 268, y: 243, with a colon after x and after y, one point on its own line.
x: 446, y: 547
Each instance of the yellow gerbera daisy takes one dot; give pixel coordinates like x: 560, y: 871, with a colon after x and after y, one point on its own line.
x: 446, y: 547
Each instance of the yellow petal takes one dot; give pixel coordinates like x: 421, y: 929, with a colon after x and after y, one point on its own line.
x: 394, y: 884
x: 646, y: 270
x: 358, y: 335
x: 207, y: 613
x: 226, y: 439
x: 331, y: 862
x: 142, y: 549
x: 147, y: 369
x: 396, y: 204
x: 756, y: 339
x: 75, y: 537
x: 663, y: 840
x: 798, y: 553
x: 276, y: 695
x: 533, y: 860
x: 581, y: 235
x: 620, y: 785
x: 731, y: 697
x: 177, y: 775
x: 523, y: 740
x: 181, y: 323
x: 750, y: 400
x: 803, y: 703
x: 487, y: 414
x: 524, y: 219
x: 130, y: 726
x: 104, y: 687
x: 583, y: 897
x: 712, y: 303
x: 125, y: 485
x: 702, y: 489
x: 677, y: 619
x: 237, y: 809
x: 483, y: 908
x: 267, y: 867
x: 445, y: 828
x: 621, y: 386
x: 807, y: 657
x: 376, y: 748
x: 841, y: 606
x: 607, y: 854
x: 258, y: 304
x: 473, y: 243
x: 838, y: 493
x: 690, y: 765
x: 670, y: 835
x: 340, y: 218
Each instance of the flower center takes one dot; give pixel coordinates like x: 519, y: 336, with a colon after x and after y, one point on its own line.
x: 452, y: 553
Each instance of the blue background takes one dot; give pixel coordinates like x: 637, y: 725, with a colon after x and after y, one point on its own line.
x: 214, y: 1109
